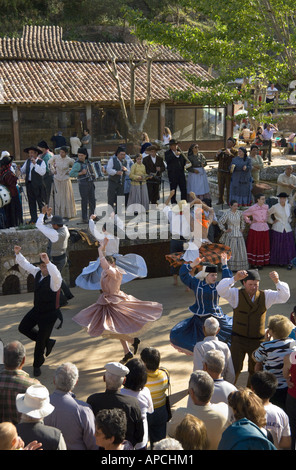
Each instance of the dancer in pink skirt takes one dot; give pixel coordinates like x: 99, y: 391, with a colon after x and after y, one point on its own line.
x: 117, y: 314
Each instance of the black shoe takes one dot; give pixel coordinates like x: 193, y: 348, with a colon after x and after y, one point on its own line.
x: 289, y: 267
x: 70, y: 296
x: 50, y: 344
x: 128, y: 356
x: 37, y: 371
x: 136, y: 345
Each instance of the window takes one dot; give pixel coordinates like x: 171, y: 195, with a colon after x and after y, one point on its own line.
x: 6, y: 132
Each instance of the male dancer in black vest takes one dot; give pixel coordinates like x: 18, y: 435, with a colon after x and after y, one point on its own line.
x: 38, y: 323
x: 34, y: 170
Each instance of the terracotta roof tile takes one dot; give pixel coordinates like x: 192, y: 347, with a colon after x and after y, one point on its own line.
x: 42, y: 68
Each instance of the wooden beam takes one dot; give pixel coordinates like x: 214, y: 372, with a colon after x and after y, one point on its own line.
x: 16, y: 133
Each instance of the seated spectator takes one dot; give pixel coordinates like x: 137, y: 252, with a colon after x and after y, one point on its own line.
x: 9, y: 439
x: 214, y: 365
x: 73, y: 417
x: 111, y: 428
x: 192, y: 433
x: 13, y: 380
x: 168, y: 444
x: 248, y: 431
x: 264, y: 384
x: 34, y: 406
x: 114, y: 378
x: 270, y: 354
x: 211, y: 329
x: 158, y: 383
x: 215, y: 416
x: 134, y: 386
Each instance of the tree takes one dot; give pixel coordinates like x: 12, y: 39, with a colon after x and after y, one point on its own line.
x: 128, y: 107
x: 252, y: 39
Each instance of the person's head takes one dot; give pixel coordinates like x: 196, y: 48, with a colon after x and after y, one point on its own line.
x: 33, y: 152
x: 14, y: 355
x: 192, y: 433
x: 201, y: 387
x: 264, y: 384
x: 82, y: 154
x: 209, y: 273
x: 173, y: 144
x: 57, y: 222
x: 246, y: 404
x: 74, y: 134
x: 120, y: 153
x: 34, y: 403
x: 259, y: 199
x: 211, y: 326
x: 63, y: 152
x: 152, y: 150
x: 43, y: 268
x: 168, y: 443
x: 193, y: 149
x: 115, y: 375
x: 167, y: 131
x: 233, y: 205
x: 137, y: 377
x: 111, y: 427
x: 230, y: 142
x: 289, y: 170
x: 66, y: 377
x: 138, y: 159
x: 8, y: 436
x: 110, y: 260
x: 283, y: 198
x: 251, y: 282
x: 214, y: 363
x: 279, y: 326
x: 254, y: 150
x: 43, y: 146
x: 86, y: 131
x: 242, y: 152
x: 151, y: 358
x: 145, y: 137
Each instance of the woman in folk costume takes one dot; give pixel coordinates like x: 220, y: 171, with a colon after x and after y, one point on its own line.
x: 117, y: 314
x: 258, y: 240
x: 232, y: 223
x: 282, y: 244
x: 187, y: 333
x: 133, y: 266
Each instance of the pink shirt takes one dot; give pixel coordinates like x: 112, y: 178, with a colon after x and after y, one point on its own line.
x: 259, y: 216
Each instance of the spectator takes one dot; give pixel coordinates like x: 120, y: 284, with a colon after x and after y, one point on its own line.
x: 111, y: 429
x: 257, y: 163
x: 73, y: 417
x: 192, y: 433
x: 197, y: 180
x: 224, y: 157
x: 13, y: 380
x: 264, y: 384
x: 9, y: 439
x: 248, y: 431
x: 114, y: 378
x: 158, y: 383
x: 270, y: 354
x: 286, y: 181
x: 134, y: 386
x: 215, y: 416
x: 241, y: 178
x: 86, y: 142
x: 214, y: 363
x: 75, y: 144
x: 211, y: 328
x: 58, y: 140
x: 271, y: 93
x: 166, y: 136
x: 267, y: 134
x: 168, y: 444
x: 34, y: 406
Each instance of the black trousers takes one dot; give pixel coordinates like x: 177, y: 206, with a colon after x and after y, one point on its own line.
x: 38, y: 328
x: 36, y: 197
x: 178, y: 181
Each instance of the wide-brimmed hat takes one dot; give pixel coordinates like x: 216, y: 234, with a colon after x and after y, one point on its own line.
x: 83, y: 151
x: 173, y: 142
x: 35, y: 402
x: 253, y: 275
x: 152, y: 147
x: 36, y: 149
x: 43, y: 144
x: 283, y: 195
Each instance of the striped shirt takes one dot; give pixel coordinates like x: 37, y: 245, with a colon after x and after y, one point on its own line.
x: 272, y: 353
x: 13, y: 382
x: 157, y: 382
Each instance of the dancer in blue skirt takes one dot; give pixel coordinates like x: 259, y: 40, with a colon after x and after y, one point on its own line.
x: 187, y: 333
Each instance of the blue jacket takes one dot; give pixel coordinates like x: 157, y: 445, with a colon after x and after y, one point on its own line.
x: 244, y: 435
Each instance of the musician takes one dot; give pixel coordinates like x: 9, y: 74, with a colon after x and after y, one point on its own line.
x: 176, y: 162
x: 13, y: 212
x: 83, y: 171
x: 34, y: 170
x: 224, y: 157
x: 117, y: 170
x: 155, y: 166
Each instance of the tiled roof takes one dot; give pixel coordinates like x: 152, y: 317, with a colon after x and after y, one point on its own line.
x: 40, y: 67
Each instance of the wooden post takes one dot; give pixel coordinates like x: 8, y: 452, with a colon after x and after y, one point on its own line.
x: 162, y: 119
x: 16, y: 133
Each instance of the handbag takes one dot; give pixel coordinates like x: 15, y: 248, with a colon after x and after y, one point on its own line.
x: 167, y: 398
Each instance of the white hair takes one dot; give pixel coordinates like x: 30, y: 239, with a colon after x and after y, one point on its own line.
x: 113, y: 382
x: 215, y: 360
x: 167, y: 444
x: 211, y: 326
x: 66, y: 376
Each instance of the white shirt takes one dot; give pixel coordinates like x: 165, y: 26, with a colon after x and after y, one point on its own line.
x: 55, y: 275
x: 277, y: 422
x: 40, y: 169
x: 208, y: 344
x: 222, y: 389
x: 47, y: 230
x: 75, y: 144
x: 282, y: 216
x: 226, y: 290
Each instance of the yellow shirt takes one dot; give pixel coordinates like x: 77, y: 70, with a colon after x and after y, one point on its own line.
x: 157, y: 382
x: 136, y: 171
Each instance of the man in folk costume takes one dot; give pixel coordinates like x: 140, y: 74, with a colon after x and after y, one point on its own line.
x: 176, y: 162
x: 224, y: 157
x: 116, y: 170
x: 155, y: 166
x: 38, y: 323
x: 250, y: 305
